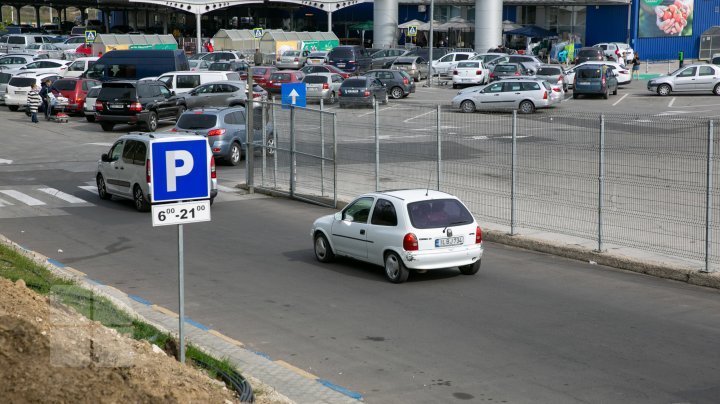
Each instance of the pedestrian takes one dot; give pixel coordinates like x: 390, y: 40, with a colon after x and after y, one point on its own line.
x: 210, y: 46
x: 258, y: 57
x: 636, y: 66
x: 45, y: 92
x: 34, y: 101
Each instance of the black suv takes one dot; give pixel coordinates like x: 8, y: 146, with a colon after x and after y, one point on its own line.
x: 589, y: 54
x: 350, y: 58
x: 136, y: 102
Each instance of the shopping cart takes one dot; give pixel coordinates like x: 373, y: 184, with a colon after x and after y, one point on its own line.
x: 57, y: 106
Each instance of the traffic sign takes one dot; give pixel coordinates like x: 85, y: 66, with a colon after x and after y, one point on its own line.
x: 181, y: 213
x: 258, y: 33
x: 180, y: 169
x: 90, y: 36
x: 293, y: 94
x: 412, y: 30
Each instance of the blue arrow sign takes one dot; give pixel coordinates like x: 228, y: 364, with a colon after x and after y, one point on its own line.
x: 293, y: 94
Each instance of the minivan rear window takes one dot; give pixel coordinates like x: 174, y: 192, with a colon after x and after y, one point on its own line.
x: 21, y: 81
x: 472, y: 65
x: 438, y: 213
x: 193, y: 121
x: 588, y: 73
x: 65, y: 85
x: 548, y: 71
x: 16, y: 40
x: 5, y: 77
x: 340, y: 53
x: 505, y: 68
x: 117, y: 90
x: 315, y: 79
x: 588, y: 53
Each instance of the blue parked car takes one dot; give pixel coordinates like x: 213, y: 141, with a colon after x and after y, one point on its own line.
x: 595, y: 79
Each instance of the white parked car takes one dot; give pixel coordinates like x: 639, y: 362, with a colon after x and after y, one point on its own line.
x: 470, y: 72
x: 317, y: 58
x: 623, y: 74
x: 19, y: 86
x: 444, y: 65
x: 416, y: 229
x: 44, y: 66
x: 71, y: 43
x: 614, y: 50
x: 44, y: 51
x: 89, y: 106
x: 80, y: 66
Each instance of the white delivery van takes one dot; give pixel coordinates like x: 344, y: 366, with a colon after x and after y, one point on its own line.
x: 79, y: 66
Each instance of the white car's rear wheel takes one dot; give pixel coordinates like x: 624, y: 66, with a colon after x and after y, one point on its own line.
x: 395, y: 270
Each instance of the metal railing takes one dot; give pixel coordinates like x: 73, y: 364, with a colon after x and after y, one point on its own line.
x: 644, y: 182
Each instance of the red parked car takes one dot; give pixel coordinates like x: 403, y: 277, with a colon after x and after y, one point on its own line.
x: 75, y: 90
x: 261, y: 74
x: 325, y: 69
x: 84, y: 50
x: 283, y: 76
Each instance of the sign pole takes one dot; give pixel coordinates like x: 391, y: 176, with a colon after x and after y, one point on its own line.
x: 181, y: 293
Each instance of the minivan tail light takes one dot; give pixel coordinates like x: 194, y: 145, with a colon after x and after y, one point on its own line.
x: 297, y: 59
x: 478, y: 235
x: 326, y: 86
x: 517, y: 73
x: 366, y: 93
x: 147, y: 170
x: 545, y: 96
x: 216, y: 132
x: 135, y: 107
x: 98, y: 106
x: 213, y: 172
x: 410, y: 242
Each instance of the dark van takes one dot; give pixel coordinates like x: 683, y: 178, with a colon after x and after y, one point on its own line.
x: 595, y: 79
x: 350, y: 58
x: 137, y: 64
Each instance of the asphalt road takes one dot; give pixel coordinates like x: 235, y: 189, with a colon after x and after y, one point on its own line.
x: 528, y: 328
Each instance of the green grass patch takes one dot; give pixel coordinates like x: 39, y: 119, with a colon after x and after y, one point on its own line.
x: 14, y: 266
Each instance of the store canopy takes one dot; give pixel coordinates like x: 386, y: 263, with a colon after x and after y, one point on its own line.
x: 426, y: 27
x: 531, y: 31
x: 410, y: 23
x: 457, y: 23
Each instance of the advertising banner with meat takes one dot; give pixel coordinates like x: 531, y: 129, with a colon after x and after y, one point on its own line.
x: 665, y: 18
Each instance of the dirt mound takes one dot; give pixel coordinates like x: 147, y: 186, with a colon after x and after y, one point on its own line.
x: 49, y: 353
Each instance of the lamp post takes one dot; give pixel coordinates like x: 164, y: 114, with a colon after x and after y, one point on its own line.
x: 430, y: 44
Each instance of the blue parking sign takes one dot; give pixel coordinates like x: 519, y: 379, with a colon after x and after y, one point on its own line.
x: 293, y: 94
x: 180, y: 169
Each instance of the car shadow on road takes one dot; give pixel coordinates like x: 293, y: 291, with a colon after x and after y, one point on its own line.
x: 364, y: 270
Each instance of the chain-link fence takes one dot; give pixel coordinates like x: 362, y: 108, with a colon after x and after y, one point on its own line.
x: 638, y: 181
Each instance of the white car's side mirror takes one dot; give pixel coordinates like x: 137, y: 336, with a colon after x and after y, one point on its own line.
x: 338, y: 216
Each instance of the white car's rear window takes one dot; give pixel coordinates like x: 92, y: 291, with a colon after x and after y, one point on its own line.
x: 437, y: 213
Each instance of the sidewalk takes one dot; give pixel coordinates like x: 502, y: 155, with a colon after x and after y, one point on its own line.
x: 295, y: 384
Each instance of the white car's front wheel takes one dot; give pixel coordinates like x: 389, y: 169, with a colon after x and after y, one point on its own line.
x: 323, y: 251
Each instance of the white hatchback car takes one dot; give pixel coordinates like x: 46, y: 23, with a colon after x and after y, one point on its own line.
x: 415, y: 229
x: 124, y: 170
x: 470, y: 72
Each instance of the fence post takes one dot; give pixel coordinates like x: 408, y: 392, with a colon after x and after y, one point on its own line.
x: 708, y: 196
x: 275, y: 143
x: 513, y: 174
x: 601, y: 182
x: 264, y: 143
x: 439, y: 149
x: 335, y: 157
x: 377, y: 146
x: 292, y: 151
x: 322, y: 148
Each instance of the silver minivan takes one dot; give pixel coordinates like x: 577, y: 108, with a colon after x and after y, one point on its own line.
x: 18, y: 42
x: 523, y: 94
x: 123, y: 171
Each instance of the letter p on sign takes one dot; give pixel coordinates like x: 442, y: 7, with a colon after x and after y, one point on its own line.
x: 180, y: 169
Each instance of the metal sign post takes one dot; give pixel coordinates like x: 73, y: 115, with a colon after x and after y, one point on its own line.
x: 180, y: 172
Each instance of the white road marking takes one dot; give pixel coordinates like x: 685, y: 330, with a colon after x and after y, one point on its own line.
x: 670, y: 113
x: 26, y: 199
x: 671, y: 102
x: 373, y: 111
x: 100, y: 144
x: 89, y: 188
x: 695, y: 106
x: 480, y: 137
x: 62, y: 195
x: 4, y: 161
x: 3, y: 202
x: 621, y: 98
x: 418, y: 116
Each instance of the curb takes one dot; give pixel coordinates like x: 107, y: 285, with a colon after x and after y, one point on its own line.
x: 680, y: 273
x: 300, y: 386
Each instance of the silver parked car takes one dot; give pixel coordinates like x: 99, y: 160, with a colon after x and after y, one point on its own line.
x: 694, y: 78
x: 217, y: 94
x: 415, y: 66
x: 524, y: 95
x: 292, y: 59
x: 553, y: 74
x: 323, y: 86
x: 44, y: 51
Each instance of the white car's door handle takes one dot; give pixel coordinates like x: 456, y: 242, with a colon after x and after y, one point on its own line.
x: 362, y: 231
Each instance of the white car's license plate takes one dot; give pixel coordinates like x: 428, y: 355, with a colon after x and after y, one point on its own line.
x: 116, y: 106
x: 351, y: 91
x: 466, y: 80
x: 20, y: 92
x: 445, y: 242
x: 341, y: 64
